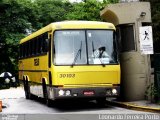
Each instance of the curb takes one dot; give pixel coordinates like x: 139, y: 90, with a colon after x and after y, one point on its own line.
x: 134, y: 107
x: 0, y: 106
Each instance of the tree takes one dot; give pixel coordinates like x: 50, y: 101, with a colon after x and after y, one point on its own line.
x: 15, y: 17
x: 88, y: 10
x: 52, y: 10
x: 155, y: 10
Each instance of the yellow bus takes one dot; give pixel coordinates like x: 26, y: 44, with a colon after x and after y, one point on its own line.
x: 71, y: 60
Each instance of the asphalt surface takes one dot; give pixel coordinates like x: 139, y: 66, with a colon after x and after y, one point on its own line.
x: 16, y: 107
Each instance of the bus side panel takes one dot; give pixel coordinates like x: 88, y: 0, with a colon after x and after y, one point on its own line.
x: 34, y: 69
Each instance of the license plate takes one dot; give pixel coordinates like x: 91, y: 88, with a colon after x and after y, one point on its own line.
x: 88, y: 93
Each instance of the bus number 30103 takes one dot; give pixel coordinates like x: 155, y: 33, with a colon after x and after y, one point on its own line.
x: 67, y: 76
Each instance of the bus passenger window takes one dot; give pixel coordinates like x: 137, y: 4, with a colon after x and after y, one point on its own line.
x: 44, y: 42
x: 27, y: 48
x: 24, y: 49
x: 20, y: 51
x: 34, y: 46
x: 38, y: 45
x: 30, y: 46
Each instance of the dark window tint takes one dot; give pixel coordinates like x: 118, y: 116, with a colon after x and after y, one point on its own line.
x: 126, y: 38
x: 35, y: 46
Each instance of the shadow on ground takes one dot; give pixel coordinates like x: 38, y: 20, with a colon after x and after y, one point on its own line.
x: 75, y: 105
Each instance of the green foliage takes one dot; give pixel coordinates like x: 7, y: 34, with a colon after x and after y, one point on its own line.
x: 52, y: 10
x: 155, y: 6
x: 82, y: 11
x: 87, y: 10
x: 15, y: 17
x: 151, y: 92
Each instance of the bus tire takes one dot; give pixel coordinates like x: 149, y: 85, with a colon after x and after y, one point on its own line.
x: 28, y: 95
x: 24, y: 83
x: 45, y: 93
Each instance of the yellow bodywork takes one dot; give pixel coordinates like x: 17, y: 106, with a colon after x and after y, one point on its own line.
x: 69, y: 76
x: 86, y: 76
x: 70, y: 25
x: 34, y: 73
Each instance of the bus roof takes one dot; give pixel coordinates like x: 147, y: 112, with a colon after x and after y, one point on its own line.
x: 70, y: 25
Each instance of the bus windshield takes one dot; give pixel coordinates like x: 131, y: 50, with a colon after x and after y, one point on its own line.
x: 81, y: 47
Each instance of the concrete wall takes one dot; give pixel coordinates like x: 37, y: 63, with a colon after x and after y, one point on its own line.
x: 123, y: 13
x: 134, y: 79
x: 135, y: 68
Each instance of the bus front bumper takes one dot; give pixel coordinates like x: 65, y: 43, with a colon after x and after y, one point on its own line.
x: 90, y: 92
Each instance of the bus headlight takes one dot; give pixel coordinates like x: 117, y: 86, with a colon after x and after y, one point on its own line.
x: 114, y: 91
x: 61, y: 92
x: 68, y: 93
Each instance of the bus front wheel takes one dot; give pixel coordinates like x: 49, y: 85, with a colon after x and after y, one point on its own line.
x: 28, y: 95
x: 45, y: 93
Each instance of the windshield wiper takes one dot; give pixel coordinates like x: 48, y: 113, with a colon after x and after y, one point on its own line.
x: 93, y: 49
x: 77, y: 55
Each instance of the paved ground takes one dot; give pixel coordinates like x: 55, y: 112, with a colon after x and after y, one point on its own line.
x: 15, y: 103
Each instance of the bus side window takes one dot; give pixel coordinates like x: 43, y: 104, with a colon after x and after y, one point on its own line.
x: 39, y: 45
x: 27, y: 48
x: 34, y: 46
x: 30, y: 48
x: 20, y: 51
x: 44, y: 43
x: 24, y: 49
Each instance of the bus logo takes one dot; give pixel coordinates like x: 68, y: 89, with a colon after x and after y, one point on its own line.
x: 36, y: 62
